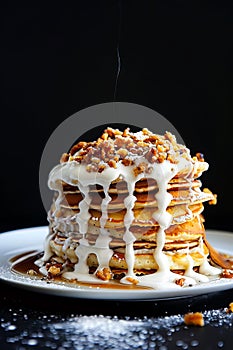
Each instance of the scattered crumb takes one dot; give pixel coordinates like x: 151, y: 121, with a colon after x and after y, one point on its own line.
x: 226, y: 273
x: 31, y: 272
x: 105, y: 274
x: 54, y: 270
x: 230, y: 308
x: 194, y: 319
x: 180, y: 282
x: 132, y: 280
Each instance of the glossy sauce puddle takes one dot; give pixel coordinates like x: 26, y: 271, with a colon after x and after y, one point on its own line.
x: 22, y: 263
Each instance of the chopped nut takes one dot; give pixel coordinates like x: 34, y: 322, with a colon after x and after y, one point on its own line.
x: 119, y: 141
x: 110, y: 132
x: 105, y: 274
x: 116, y: 145
x: 200, y: 157
x: 180, y: 282
x: 194, y: 319
x: 104, y: 136
x: 161, y: 148
x: 213, y: 201
x: 161, y: 158
x: 54, y: 270
x: 83, y: 153
x: 171, y: 138
x: 227, y: 273
x: 171, y: 158
x: 152, y: 139
x: 74, y: 182
x: 101, y: 168
x: 130, y: 145
x: 145, y: 131
x: 95, y: 160
x: 132, y: 280
x: 134, y: 150
x: 90, y: 167
x: 142, y: 144
x: 230, y: 308
x: 64, y: 158
x: 77, y: 147
x: 78, y: 158
x: 127, y: 162
x: 112, y: 163
x: 142, y: 167
x: 125, y: 132
x: 153, y: 151
x: 31, y: 272
x: 151, y: 155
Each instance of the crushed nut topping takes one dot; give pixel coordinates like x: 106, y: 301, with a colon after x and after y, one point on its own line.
x: 230, y: 308
x: 54, y: 270
x: 194, y: 319
x: 31, y: 272
x: 115, y: 146
x: 132, y: 280
x: 180, y: 282
x: 105, y: 274
x: 227, y: 273
x: 64, y: 158
x: 200, y: 157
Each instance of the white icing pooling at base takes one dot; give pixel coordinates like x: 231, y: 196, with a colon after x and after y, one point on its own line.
x: 189, y: 272
x: 72, y: 172
x: 47, y: 253
x: 81, y: 271
x: 205, y: 267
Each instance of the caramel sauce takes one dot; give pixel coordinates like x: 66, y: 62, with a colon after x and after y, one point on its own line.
x: 23, y: 266
x: 19, y: 256
x: 227, y: 274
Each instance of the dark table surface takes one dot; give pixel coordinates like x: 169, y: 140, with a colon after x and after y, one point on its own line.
x: 31, y: 320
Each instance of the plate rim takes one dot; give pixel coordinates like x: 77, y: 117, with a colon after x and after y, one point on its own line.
x: 94, y: 292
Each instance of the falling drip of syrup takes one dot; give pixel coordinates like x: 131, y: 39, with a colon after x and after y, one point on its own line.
x: 118, y: 51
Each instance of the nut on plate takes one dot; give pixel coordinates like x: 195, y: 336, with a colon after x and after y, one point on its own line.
x: 230, y: 308
x: 132, y: 280
x: 194, y: 319
x: 54, y: 270
x: 105, y: 274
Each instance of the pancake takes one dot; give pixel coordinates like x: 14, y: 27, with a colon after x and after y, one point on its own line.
x: 144, y: 198
x: 129, y: 206
x: 144, y: 259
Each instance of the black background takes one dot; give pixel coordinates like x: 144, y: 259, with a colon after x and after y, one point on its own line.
x: 176, y: 58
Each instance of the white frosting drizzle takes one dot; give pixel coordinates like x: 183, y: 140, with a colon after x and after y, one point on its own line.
x: 128, y: 237
x: 72, y: 173
x: 47, y: 253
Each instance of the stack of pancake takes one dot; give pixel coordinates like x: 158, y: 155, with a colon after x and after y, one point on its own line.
x: 185, y: 245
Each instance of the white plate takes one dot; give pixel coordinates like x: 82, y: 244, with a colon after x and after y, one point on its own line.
x: 20, y: 241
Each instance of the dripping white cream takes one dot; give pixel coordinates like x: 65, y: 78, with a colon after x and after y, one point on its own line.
x: 72, y: 173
